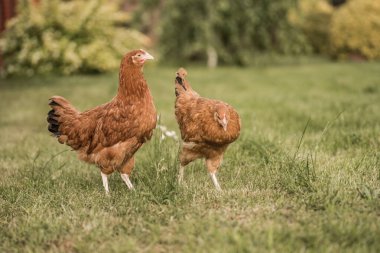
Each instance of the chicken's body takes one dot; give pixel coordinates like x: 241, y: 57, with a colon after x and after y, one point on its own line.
x: 207, y: 127
x: 110, y: 134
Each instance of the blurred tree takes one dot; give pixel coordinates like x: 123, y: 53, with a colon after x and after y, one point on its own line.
x: 313, y: 17
x: 184, y: 31
x: 231, y: 31
x: 146, y: 17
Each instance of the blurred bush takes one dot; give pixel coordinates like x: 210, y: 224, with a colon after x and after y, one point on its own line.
x: 313, y: 17
x: 67, y: 37
x: 70, y: 36
x: 229, y: 30
x: 355, y: 30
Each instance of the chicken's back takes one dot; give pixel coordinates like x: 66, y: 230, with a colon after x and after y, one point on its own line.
x: 195, y: 116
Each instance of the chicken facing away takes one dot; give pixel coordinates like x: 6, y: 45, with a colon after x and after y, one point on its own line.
x: 207, y: 127
x: 110, y: 134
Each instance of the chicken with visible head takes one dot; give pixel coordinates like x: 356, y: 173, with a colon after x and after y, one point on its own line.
x: 110, y: 134
x: 207, y: 127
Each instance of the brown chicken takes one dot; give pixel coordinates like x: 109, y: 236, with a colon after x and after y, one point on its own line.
x: 207, y: 127
x: 110, y: 134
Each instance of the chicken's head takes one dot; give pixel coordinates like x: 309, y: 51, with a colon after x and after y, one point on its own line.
x: 221, y: 115
x: 182, y: 73
x: 137, y: 58
x: 180, y: 76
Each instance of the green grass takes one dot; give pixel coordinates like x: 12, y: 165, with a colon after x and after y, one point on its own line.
x: 303, y: 176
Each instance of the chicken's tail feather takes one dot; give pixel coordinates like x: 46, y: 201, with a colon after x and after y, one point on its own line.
x: 60, y: 117
x: 53, y: 123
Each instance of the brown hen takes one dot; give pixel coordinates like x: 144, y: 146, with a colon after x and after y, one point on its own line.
x: 207, y: 127
x: 110, y: 134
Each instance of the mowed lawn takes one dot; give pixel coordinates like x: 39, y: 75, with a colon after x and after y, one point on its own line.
x: 304, y: 176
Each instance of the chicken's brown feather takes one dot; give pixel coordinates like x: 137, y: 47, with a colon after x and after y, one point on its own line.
x: 196, y: 121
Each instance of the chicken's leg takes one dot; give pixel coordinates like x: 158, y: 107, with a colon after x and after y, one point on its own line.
x: 212, y: 167
x: 186, y: 156
x: 180, y: 174
x: 215, y: 181
x: 126, y: 171
x: 128, y: 182
x: 105, y: 182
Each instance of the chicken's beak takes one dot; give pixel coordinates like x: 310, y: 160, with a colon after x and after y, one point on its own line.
x: 224, y: 123
x: 147, y: 56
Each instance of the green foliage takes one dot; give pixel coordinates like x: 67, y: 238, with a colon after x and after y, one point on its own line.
x: 350, y: 31
x: 235, y: 30
x: 66, y: 37
x: 313, y: 17
x: 355, y: 29
x: 273, y: 30
x: 159, y: 177
x: 184, y: 29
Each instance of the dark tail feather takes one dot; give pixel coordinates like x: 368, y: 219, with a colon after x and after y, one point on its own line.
x: 52, y: 120
x: 54, y: 129
x: 52, y: 115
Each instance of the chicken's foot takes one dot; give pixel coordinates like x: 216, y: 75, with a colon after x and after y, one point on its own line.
x: 128, y: 182
x: 180, y: 174
x: 215, y: 181
x: 105, y: 182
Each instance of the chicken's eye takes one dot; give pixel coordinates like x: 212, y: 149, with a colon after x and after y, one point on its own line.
x: 139, y: 55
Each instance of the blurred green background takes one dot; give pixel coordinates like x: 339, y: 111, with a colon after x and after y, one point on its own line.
x: 90, y: 36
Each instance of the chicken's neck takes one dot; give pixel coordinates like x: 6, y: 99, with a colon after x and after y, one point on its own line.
x: 132, y: 84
